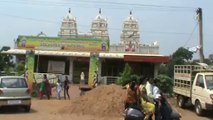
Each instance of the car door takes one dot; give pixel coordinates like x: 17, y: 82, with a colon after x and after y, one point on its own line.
x: 199, y: 90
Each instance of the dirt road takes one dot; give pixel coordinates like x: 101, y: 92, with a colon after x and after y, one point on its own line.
x: 189, y: 114
x: 46, y: 110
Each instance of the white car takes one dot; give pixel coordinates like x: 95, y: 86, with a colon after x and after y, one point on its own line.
x: 14, y: 91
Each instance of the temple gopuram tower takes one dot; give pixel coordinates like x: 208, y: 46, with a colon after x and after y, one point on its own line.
x: 130, y: 35
x: 99, y: 28
x: 68, y: 27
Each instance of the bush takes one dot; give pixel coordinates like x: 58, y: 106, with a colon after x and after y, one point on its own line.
x: 166, y: 84
x: 127, y: 76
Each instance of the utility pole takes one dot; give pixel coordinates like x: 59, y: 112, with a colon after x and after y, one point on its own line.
x: 200, y: 21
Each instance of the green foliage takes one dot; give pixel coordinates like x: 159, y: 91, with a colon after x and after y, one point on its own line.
x: 127, y: 76
x: 182, y: 54
x: 5, y: 60
x: 180, y: 57
x: 20, y: 68
x: 166, y: 84
x: 163, y: 69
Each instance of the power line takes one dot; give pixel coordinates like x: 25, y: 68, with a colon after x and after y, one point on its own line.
x: 190, y: 37
x: 28, y: 18
x: 86, y: 26
x: 139, y: 6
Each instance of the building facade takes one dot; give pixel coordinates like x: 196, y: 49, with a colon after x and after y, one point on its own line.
x: 71, y: 52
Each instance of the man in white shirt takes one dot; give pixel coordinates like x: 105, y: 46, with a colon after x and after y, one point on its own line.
x: 157, y: 98
x: 149, y: 88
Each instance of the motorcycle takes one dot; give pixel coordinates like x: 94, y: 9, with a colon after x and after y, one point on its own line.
x: 135, y: 113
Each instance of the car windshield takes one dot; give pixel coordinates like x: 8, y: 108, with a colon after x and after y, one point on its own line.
x: 13, y: 83
x: 209, y: 82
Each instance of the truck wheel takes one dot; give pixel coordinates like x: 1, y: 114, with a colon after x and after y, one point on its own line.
x: 198, y: 108
x: 180, y: 101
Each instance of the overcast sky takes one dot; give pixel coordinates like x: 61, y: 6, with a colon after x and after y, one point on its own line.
x: 172, y: 23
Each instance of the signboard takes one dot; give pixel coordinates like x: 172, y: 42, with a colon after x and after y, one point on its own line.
x: 62, y: 44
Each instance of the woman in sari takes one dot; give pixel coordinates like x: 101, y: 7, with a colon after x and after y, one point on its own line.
x: 146, y: 104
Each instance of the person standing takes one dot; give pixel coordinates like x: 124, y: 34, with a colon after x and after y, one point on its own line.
x: 82, y: 78
x: 58, y: 89
x: 48, y: 88
x: 66, y: 88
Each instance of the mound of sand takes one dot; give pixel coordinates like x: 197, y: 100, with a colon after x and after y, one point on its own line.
x: 103, y: 101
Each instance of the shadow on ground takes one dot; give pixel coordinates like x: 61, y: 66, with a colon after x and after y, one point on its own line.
x: 14, y: 110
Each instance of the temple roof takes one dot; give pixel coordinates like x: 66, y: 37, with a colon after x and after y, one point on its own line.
x: 69, y: 16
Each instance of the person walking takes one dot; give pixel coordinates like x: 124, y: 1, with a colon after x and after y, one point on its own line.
x: 48, y: 88
x: 66, y: 88
x: 44, y: 88
x: 58, y: 89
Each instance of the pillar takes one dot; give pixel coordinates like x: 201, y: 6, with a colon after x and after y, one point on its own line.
x: 71, y: 68
x: 29, y: 68
x: 156, y: 68
x: 93, y: 67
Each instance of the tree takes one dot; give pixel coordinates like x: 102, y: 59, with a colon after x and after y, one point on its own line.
x: 183, y: 54
x: 6, y: 62
x: 180, y: 57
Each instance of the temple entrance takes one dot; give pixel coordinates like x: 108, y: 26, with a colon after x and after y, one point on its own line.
x: 80, y: 64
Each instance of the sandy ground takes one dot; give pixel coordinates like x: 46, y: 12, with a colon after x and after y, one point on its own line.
x: 46, y: 110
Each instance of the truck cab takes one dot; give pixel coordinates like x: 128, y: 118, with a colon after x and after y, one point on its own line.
x: 202, y: 92
x: 194, y: 83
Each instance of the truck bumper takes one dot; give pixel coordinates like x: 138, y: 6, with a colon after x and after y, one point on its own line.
x: 209, y: 106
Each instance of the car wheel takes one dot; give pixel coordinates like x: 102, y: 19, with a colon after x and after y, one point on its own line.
x: 198, y: 108
x: 27, y: 108
x: 180, y: 101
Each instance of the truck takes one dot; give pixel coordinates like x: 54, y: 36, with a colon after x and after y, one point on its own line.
x: 194, y: 84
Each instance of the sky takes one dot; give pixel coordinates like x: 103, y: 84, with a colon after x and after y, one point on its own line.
x: 172, y: 23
